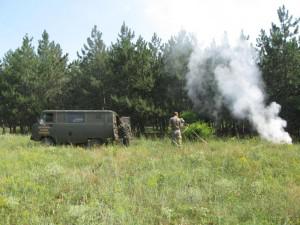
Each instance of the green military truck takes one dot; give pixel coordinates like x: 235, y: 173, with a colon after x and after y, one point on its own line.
x: 80, y: 127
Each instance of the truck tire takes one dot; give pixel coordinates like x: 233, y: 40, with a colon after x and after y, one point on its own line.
x: 94, y: 142
x: 126, y: 141
x: 47, y: 141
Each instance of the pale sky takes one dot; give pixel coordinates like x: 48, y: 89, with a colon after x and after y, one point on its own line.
x: 69, y: 22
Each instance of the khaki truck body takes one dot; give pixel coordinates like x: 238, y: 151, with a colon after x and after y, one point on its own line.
x: 76, y: 126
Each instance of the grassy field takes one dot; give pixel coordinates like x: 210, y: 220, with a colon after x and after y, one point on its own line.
x: 224, y: 182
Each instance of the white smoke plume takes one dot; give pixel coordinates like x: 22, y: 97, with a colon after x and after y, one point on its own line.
x: 228, y: 76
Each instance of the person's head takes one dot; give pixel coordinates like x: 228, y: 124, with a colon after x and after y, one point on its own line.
x: 175, y: 114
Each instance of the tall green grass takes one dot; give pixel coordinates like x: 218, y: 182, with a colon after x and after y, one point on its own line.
x: 223, y: 182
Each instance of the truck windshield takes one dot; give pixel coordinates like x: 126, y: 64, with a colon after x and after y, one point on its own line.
x: 47, y: 118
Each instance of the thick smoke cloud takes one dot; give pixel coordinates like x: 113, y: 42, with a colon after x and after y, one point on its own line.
x: 228, y: 76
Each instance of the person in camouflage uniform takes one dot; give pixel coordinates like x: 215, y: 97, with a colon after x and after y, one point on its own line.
x: 176, y: 123
x: 124, y: 134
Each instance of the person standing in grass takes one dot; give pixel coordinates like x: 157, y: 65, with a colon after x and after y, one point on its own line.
x: 176, y: 123
x: 123, y: 132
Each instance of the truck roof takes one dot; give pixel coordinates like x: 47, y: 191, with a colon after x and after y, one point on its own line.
x: 78, y: 110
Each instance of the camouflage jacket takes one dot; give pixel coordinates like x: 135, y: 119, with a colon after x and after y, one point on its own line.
x: 176, y: 123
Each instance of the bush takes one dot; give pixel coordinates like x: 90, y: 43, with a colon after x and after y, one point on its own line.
x: 198, y: 129
x: 190, y: 116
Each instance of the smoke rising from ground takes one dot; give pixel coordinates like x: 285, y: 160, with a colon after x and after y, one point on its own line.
x: 225, y: 76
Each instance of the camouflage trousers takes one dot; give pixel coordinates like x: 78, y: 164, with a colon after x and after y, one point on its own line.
x: 176, y: 138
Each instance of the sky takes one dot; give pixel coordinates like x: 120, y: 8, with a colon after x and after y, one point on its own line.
x: 69, y: 22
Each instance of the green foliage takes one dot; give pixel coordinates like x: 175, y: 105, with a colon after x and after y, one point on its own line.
x: 17, y: 85
x: 88, y: 83
x: 222, y: 182
x: 280, y: 55
x: 50, y: 78
x: 31, y: 81
x: 189, y: 116
x: 198, y: 129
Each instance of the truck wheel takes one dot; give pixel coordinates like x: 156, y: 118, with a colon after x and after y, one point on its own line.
x: 125, y: 141
x: 94, y: 142
x: 47, y: 141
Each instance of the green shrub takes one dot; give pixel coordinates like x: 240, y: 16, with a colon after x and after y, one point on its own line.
x: 198, y: 129
x: 190, y: 116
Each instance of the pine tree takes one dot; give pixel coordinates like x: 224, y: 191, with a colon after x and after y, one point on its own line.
x: 279, y: 61
x: 51, y: 74
x: 18, y: 78
x: 88, y: 75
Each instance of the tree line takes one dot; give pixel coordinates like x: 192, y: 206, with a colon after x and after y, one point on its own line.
x: 141, y: 79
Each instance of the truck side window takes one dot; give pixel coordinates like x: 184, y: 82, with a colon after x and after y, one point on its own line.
x: 75, y: 117
x: 60, y: 117
x: 95, y: 117
x: 100, y: 117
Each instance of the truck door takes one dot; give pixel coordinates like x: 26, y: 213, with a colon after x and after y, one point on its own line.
x: 70, y: 127
x: 75, y: 127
